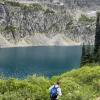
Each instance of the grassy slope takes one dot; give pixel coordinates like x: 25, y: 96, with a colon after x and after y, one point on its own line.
x: 81, y: 84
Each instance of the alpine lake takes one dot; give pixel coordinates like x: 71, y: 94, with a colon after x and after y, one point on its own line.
x: 20, y: 62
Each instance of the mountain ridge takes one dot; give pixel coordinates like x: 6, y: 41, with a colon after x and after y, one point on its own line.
x: 19, y: 21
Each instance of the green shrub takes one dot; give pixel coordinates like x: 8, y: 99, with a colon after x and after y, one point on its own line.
x: 34, y: 89
x: 80, y: 84
x: 10, y: 28
x: 48, y: 11
x: 25, y: 7
x: 13, y: 3
x: 34, y: 6
x: 85, y: 18
x: 37, y: 7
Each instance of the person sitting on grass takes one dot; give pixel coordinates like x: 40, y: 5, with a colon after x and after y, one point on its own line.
x: 55, y: 91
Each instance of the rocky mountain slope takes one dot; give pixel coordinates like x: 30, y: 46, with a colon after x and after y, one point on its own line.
x: 45, y: 24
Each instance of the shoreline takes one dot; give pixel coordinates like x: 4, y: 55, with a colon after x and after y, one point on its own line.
x: 40, y: 46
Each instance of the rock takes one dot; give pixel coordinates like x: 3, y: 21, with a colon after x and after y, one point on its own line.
x: 21, y: 24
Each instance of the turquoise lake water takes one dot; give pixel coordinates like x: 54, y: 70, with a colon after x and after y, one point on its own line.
x: 41, y: 60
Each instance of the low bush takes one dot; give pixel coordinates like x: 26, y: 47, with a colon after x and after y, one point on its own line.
x: 10, y: 28
x: 34, y: 6
x: 13, y: 3
x: 80, y: 84
x: 37, y: 7
x: 87, y: 19
x: 48, y: 11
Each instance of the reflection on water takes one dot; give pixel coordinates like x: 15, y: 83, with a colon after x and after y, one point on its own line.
x: 41, y: 60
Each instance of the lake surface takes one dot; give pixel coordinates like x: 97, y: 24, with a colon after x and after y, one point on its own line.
x: 42, y: 60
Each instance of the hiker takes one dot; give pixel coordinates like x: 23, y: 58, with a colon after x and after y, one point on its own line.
x: 55, y: 91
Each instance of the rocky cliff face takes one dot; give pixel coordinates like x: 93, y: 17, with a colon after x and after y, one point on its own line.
x: 20, y: 23
x: 83, y: 3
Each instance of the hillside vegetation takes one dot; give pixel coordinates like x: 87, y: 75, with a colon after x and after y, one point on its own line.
x: 80, y: 84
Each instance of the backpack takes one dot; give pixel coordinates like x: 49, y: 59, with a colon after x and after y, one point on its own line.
x: 53, y: 92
